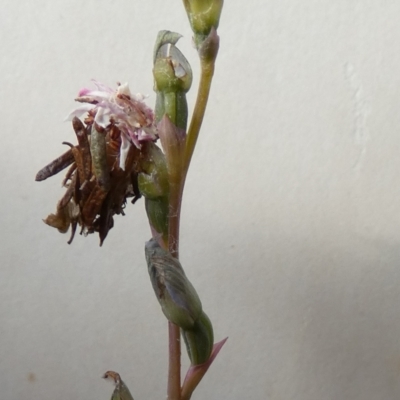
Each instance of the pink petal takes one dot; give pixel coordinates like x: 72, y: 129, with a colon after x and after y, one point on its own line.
x: 83, y: 92
x: 102, y: 117
x: 95, y: 94
x: 133, y: 137
x: 123, y: 151
x: 79, y: 111
x: 102, y: 87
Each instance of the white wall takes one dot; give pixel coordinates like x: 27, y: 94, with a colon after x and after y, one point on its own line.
x: 291, y: 215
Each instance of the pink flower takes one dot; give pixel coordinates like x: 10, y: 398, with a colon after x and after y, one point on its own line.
x: 122, y: 109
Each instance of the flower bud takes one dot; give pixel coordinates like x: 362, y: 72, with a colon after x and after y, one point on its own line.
x: 179, y: 300
x: 172, y: 79
x: 203, y: 16
x: 199, y: 340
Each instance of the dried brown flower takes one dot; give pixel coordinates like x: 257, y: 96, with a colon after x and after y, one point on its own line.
x: 97, y: 187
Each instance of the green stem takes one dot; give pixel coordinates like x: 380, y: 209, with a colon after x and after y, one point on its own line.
x: 175, y: 200
x: 207, y: 72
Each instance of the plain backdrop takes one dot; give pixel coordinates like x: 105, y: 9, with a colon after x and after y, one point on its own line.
x: 291, y: 214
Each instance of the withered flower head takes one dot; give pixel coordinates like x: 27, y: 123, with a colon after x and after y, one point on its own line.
x: 104, y: 165
x: 120, y: 108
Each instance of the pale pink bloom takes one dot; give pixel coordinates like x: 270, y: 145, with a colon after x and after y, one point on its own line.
x: 128, y: 112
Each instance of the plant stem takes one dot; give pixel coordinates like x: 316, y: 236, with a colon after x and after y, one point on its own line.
x: 207, y: 72
x: 175, y: 201
x: 174, y: 368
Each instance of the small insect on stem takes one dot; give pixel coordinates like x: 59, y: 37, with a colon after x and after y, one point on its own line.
x: 55, y: 166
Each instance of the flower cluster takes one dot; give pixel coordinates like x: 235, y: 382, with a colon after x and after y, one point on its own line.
x: 103, y: 169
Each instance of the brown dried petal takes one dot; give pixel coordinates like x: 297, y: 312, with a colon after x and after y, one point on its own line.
x: 55, y: 166
x: 68, y: 194
x: 93, y: 205
x: 84, y: 147
x: 69, y: 174
x: 63, y: 217
x: 95, y: 169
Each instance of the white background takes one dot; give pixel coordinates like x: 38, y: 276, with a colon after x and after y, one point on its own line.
x: 291, y: 217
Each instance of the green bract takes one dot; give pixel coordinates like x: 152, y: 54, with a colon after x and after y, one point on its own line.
x: 179, y: 300
x: 172, y: 79
x: 203, y: 16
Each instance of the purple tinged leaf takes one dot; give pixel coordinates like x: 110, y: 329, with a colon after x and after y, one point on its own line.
x: 196, y: 372
x: 208, y: 49
x: 173, y: 141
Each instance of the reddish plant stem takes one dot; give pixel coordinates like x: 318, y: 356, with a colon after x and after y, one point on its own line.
x: 174, y: 370
x: 174, y: 367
